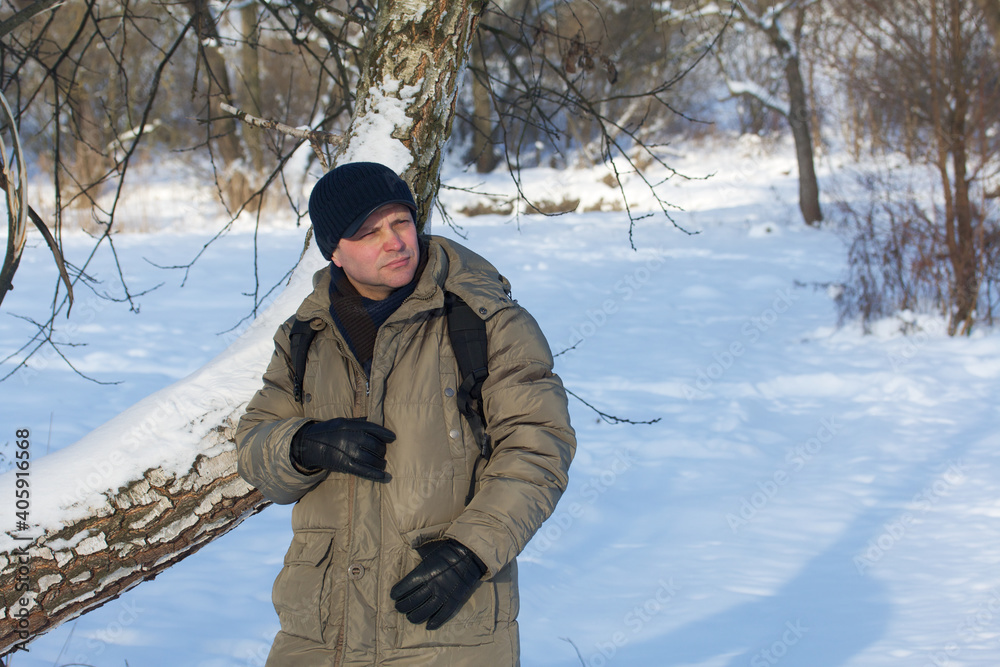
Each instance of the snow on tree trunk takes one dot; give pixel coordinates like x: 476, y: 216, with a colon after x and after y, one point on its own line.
x: 767, y: 19
x: 159, y: 481
x: 412, y: 75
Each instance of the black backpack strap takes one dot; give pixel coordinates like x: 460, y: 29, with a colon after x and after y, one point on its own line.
x: 468, y: 341
x: 299, y: 340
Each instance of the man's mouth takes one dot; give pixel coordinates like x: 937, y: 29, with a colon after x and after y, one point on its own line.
x: 398, y: 263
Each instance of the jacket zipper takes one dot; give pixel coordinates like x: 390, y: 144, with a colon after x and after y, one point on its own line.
x: 341, y: 645
x: 341, y: 648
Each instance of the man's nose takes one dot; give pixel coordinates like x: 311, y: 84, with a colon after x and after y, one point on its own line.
x: 393, y: 241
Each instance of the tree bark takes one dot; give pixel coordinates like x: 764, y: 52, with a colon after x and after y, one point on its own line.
x: 222, y: 131
x: 963, y: 257
x: 418, y: 55
x: 482, y: 125
x: 798, y: 120
x: 798, y: 102
x: 25, y: 14
x: 141, y: 530
x: 113, y: 535
x: 253, y: 95
x: 991, y: 8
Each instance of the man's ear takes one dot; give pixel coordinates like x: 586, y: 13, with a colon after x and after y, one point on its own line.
x: 335, y: 259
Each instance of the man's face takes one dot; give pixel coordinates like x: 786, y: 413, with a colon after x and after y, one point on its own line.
x: 383, y: 255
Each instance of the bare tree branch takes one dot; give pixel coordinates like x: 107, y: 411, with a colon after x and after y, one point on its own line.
x: 314, y: 137
x: 26, y: 14
x: 16, y: 192
x: 611, y: 419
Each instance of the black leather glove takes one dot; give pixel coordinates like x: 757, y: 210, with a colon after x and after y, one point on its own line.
x: 354, y: 446
x: 438, y: 587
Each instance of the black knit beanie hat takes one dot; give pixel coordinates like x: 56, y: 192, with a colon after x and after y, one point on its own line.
x: 343, y: 199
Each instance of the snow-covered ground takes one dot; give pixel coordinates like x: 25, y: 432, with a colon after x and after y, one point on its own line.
x: 809, y: 496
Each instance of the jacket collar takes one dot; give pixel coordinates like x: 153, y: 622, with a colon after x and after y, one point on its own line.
x: 450, y: 267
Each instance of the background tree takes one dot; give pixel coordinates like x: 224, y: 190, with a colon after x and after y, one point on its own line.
x: 480, y: 120
x: 926, y: 79
x: 560, y: 97
x: 770, y: 19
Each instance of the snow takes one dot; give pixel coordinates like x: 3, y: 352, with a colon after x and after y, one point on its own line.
x: 755, y: 90
x: 373, y: 133
x: 109, y: 456
x: 811, y: 496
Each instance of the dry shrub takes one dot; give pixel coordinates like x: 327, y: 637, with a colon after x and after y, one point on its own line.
x: 601, y: 205
x: 491, y: 207
x: 898, y: 257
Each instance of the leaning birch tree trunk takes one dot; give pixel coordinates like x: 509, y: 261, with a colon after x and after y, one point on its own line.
x: 159, y: 481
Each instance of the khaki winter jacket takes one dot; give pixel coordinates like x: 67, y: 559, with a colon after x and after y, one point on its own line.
x: 353, y: 538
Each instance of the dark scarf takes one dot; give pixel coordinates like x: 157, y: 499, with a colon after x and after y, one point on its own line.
x: 359, y: 317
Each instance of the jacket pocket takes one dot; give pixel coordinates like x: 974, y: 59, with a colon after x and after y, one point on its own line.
x: 508, y: 604
x: 472, y: 625
x: 302, y: 592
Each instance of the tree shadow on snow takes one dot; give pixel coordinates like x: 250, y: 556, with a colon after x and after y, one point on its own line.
x: 833, y: 609
x: 821, y: 617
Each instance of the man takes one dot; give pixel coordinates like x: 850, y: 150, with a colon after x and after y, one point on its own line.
x: 392, y: 561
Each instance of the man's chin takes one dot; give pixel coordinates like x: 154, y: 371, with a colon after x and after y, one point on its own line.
x: 397, y: 276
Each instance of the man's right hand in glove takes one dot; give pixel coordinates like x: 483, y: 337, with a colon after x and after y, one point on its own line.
x: 354, y: 446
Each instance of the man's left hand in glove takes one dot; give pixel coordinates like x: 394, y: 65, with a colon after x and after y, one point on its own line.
x: 438, y: 587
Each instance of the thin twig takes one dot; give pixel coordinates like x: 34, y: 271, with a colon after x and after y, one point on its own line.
x: 611, y: 419
x: 313, y: 136
x: 571, y: 643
